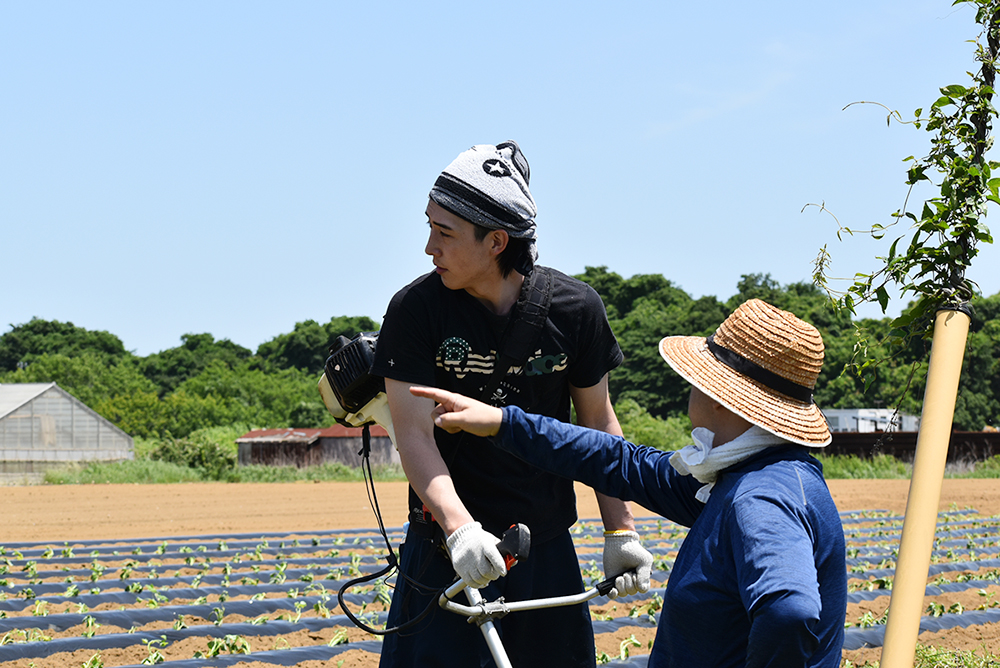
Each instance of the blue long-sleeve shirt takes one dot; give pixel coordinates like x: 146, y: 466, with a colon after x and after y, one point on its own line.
x: 760, y: 579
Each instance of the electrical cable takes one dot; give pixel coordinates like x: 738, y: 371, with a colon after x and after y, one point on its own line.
x: 366, y: 471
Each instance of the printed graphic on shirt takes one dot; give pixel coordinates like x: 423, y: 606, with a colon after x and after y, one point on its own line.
x: 455, y: 356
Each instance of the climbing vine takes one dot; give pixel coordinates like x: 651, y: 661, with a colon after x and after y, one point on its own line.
x: 930, y: 267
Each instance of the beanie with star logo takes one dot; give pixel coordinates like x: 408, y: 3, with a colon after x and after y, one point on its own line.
x: 488, y: 186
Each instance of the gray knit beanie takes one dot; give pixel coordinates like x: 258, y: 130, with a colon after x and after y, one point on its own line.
x: 488, y: 186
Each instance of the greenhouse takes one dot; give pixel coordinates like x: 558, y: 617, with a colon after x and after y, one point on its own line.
x: 42, y: 427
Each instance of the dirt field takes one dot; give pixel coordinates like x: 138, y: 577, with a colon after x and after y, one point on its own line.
x: 78, y: 512
x: 127, y: 512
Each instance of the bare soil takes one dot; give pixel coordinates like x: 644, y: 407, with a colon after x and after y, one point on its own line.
x: 80, y: 512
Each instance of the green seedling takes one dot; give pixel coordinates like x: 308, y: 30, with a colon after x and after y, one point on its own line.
x: 382, y: 593
x: 626, y: 645
x: 278, y: 576
x: 355, y: 568
x: 90, y: 626
x: 321, y: 610
x: 231, y: 643
x: 339, y: 638
x: 94, y: 662
x: 935, y: 609
x: 155, y: 655
x: 299, y: 605
x: 989, y: 603
x: 218, y: 613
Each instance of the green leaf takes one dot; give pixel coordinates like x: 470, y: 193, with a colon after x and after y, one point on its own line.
x: 883, y: 297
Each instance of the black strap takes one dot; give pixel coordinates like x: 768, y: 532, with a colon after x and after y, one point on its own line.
x: 520, y: 338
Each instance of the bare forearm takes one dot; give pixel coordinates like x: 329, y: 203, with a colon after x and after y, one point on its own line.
x: 594, y: 411
x: 430, y: 479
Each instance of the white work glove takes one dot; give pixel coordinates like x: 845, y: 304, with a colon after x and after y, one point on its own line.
x: 475, y: 556
x: 626, y: 558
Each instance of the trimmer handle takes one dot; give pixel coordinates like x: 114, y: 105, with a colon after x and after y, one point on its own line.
x: 515, y: 544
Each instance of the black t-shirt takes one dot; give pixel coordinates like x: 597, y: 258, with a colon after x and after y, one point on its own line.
x: 438, y: 337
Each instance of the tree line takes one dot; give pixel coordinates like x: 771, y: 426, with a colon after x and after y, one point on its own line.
x: 204, y: 382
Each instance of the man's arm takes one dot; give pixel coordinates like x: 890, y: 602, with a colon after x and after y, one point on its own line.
x: 594, y: 410
x: 422, y: 462
x: 473, y: 550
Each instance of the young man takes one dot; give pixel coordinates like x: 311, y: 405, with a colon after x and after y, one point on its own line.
x: 447, y: 329
x: 760, y: 579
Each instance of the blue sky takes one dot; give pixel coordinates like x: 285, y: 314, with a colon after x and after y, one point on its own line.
x: 234, y: 168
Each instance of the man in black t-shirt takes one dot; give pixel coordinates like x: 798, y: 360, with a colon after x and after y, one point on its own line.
x: 445, y: 330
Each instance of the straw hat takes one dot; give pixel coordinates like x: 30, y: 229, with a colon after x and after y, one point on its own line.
x: 762, y: 364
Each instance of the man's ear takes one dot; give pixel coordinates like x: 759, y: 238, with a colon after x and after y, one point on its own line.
x: 498, y: 241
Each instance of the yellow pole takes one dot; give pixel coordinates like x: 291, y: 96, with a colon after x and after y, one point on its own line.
x: 951, y: 329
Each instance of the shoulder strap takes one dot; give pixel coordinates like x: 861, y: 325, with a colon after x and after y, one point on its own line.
x: 520, y: 339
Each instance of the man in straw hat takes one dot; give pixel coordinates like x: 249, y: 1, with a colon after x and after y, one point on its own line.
x: 447, y: 329
x: 760, y: 579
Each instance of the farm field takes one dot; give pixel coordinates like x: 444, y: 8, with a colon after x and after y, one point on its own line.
x: 119, y: 575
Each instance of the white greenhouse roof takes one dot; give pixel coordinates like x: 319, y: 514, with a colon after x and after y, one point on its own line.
x: 15, y: 395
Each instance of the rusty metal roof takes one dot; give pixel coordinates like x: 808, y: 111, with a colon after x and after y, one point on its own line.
x: 298, y: 435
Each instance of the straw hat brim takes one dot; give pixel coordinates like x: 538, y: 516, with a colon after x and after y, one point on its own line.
x: 796, y: 421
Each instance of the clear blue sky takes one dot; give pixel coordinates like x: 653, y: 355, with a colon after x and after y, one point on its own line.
x: 236, y: 167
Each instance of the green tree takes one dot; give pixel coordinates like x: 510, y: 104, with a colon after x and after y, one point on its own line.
x: 26, y: 342
x: 642, y: 310
x: 247, y: 394
x: 640, y: 427
x: 756, y: 286
x: 307, y: 346
x: 169, y: 368
x: 90, y: 377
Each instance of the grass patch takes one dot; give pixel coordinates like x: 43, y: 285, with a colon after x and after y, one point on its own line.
x: 331, y: 472
x: 988, y: 468
x: 154, y: 471
x: 853, y: 467
x: 138, y: 471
